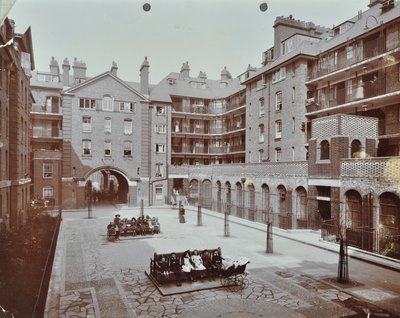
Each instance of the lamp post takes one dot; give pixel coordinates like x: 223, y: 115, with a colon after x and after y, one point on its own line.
x: 88, y: 191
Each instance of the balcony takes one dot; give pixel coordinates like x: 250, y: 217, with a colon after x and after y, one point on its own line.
x: 370, y: 92
x: 45, y: 132
x: 211, y: 150
x: 367, y: 53
x: 53, y: 109
x: 385, y: 169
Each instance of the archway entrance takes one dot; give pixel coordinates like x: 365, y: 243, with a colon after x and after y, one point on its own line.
x: 109, y: 186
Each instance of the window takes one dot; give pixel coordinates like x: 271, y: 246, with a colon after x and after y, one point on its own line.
x: 261, y: 107
x: 127, y: 126
x: 356, y: 149
x: 47, y: 170
x: 279, y: 74
x: 278, y: 129
x: 86, y: 103
x: 278, y: 101
x: 107, y: 148
x: 261, y: 133
x: 349, y: 52
x: 127, y: 107
x: 159, y: 192
x: 107, y: 125
x: 278, y: 154
x: 86, y: 124
x: 162, y: 129
x: 159, y: 170
x: 127, y: 149
x: 260, y: 155
x: 160, y: 148
x: 324, y: 150
x: 108, y: 103
x: 47, y: 193
x: 160, y: 110
x: 86, y: 147
x: 293, y: 93
x: 293, y: 124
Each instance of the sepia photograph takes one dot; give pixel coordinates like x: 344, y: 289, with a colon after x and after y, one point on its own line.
x: 199, y: 158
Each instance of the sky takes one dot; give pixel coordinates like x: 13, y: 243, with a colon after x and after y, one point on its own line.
x: 209, y: 34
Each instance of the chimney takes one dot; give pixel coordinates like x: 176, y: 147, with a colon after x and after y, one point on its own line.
x: 185, y: 69
x: 54, y: 69
x: 144, y: 77
x: 66, y: 68
x: 79, y: 71
x: 225, y: 74
x: 202, y: 75
x: 374, y: 2
x: 114, y: 68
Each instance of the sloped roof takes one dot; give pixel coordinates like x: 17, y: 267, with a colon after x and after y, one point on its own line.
x: 307, y: 48
x: 181, y: 87
x: 100, y: 76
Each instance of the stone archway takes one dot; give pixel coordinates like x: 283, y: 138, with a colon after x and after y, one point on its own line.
x: 301, y: 208
x: 389, y: 225
x: 110, y: 185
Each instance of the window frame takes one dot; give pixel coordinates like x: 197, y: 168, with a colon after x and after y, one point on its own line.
x: 278, y: 101
x: 278, y: 129
x: 86, y: 126
x: 107, y: 103
x: 89, y: 143
x: 128, y: 130
x: 107, y: 148
x: 47, y: 173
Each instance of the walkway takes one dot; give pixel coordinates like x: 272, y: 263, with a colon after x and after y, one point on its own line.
x: 95, y: 278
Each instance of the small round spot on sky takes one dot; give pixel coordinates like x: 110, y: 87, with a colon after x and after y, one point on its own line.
x: 146, y: 7
x: 263, y: 6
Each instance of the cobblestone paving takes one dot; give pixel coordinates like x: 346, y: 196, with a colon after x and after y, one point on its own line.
x: 93, y: 289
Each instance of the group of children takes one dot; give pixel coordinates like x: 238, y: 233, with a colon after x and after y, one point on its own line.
x: 140, y: 226
x: 190, y: 266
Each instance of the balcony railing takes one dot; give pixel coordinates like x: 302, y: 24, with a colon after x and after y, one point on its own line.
x: 357, y: 92
x: 385, y: 169
x: 370, y: 48
x: 53, y: 109
x: 207, y: 109
x: 226, y: 149
x: 40, y: 132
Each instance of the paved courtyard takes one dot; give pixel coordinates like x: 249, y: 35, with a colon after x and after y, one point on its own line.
x: 93, y: 277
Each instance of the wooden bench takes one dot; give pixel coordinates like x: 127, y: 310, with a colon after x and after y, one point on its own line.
x: 172, y: 277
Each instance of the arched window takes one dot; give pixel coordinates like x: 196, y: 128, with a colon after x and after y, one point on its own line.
x: 108, y: 103
x: 355, y: 149
x: 324, y: 150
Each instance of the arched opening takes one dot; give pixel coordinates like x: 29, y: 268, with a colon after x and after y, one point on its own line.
x: 301, y: 208
x: 194, y: 191
x: 324, y: 150
x: 252, y: 201
x: 265, y: 201
x: 389, y: 225
x: 206, y: 194
x: 108, y: 185
x: 239, y: 200
x: 228, y: 196
x: 282, y: 208
x: 355, y: 149
x: 219, y: 195
x: 354, y: 218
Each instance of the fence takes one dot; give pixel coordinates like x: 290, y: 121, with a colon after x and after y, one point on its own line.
x: 40, y: 304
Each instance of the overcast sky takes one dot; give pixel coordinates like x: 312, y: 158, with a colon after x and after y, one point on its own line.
x: 210, y: 34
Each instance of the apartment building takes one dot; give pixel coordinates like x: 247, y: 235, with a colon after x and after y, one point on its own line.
x: 309, y: 139
x: 202, y: 122
x: 46, y: 141
x: 16, y: 63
